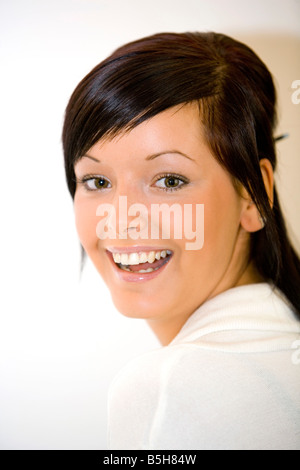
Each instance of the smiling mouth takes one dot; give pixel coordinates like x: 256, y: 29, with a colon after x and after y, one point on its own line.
x: 142, y: 262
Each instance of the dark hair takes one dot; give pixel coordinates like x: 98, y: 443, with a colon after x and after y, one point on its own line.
x: 237, y: 99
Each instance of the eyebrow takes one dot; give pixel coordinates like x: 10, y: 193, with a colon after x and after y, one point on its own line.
x: 149, y: 157
x: 89, y: 156
x: 167, y: 152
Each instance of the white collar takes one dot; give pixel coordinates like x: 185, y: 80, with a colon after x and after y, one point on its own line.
x: 250, y: 318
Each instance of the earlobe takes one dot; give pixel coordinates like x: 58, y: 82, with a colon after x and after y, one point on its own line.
x: 251, y: 220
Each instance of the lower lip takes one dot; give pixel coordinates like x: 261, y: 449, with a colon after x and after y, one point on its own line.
x: 137, y: 277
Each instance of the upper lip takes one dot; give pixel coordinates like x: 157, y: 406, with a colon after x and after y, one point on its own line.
x: 135, y: 249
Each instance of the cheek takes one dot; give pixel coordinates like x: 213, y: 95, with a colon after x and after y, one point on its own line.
x: 86, y: 223
x: 222, y: 219
x: 222, y: 208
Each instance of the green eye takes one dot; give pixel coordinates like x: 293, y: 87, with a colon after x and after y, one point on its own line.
x: 94, y: 183
x: 170, y: 182
x: 100, y: 183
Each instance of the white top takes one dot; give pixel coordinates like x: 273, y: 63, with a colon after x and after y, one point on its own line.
x: 229, y: 380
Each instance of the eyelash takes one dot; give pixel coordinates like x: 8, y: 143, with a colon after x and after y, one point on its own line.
x: 184, y: 181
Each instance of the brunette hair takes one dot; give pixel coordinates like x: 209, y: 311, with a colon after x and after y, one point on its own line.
x: 237, y: 102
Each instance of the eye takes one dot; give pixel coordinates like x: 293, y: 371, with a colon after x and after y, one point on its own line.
x: 170, y: 182
x: 94, y: 183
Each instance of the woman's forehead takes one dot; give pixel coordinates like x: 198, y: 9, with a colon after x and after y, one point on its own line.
x: 177, y: 125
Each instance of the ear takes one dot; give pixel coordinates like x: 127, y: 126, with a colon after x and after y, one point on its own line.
x: 251, y: 220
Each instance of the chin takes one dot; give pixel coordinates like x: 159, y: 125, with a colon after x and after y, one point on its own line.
x: 139, y: 308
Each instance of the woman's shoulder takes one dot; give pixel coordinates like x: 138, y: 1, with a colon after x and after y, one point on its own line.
x: 185, y: 396
x: 220, y: 372
x: 233, y: 330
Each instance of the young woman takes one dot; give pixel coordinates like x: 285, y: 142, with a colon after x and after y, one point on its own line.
x: 169, y: 153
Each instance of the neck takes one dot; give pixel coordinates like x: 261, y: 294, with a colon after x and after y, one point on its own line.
x: 240, y: 271
x: 166, y: 329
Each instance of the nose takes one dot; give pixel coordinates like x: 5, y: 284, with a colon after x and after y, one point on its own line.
x: 132, y: 218
x: 127, y: 216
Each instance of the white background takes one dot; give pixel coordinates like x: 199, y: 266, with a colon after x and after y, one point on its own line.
x: 61, y: 340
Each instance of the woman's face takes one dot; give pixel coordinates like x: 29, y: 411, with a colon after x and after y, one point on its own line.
x: 164, y: 160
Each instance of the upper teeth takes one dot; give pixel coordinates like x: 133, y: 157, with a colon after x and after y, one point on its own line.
x: 138, y: 258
